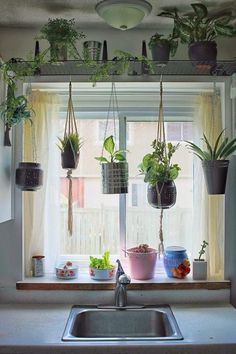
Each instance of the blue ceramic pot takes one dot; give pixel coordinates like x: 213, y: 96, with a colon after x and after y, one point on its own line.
x: 176, y: 262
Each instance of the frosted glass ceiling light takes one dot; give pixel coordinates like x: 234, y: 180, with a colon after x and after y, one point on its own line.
x: 123, y: 14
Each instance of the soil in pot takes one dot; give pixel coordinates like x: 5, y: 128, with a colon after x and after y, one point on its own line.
x: 115, y: 178
x: 215, y: 173
x: 203, y: 54
x: 167, y: 197
x: 29, y: 176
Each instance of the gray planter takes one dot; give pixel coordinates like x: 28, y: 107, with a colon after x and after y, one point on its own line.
x: 161, y: 53
x: 92, y: 50
x: 215, y: 173
x: 199, y: 269
x: 58, y: 52
x: 115, y: 178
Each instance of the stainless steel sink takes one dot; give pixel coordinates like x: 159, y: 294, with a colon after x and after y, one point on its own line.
x: 129, y: 323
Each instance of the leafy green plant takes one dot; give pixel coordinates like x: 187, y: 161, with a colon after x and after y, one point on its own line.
x: 158, y: 39
x: 220, y: 150
x: 199, y: 26
x: 61, y: 33
x: 71, y: 141
x: 156, y: 166
x: 15, y: 110
x: 114, y: 155
x: 202, y: 250
x: 101, y: 263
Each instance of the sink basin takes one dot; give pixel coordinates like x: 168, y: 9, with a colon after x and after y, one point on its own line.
x: 130, y: 323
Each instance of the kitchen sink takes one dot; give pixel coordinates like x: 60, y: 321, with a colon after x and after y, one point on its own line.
x: 110, y: 323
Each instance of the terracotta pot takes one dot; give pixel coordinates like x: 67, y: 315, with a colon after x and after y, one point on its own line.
x: 167, y: 195
x: 29, y: 176
x: 215, y: 173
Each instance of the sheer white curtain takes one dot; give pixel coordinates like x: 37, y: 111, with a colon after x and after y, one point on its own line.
x: 41, y: 208
x: 208, y: 209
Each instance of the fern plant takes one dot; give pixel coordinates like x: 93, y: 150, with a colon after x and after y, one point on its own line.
x: 220, y: 150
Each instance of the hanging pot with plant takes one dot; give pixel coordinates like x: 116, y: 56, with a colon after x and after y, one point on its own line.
x: 198, y: 30
x: 14, y: 110
x: 62, y: 36
x: 161, y: 48
x: 114, y: 169
x: 215, y: 161
x: 70, y: 146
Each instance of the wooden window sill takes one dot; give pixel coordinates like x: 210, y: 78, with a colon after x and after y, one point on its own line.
x: 160, y: 282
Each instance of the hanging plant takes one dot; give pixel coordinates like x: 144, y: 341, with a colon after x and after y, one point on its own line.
x: 215, y: 161
x: 114, y: 169
x: 14, y: 110
x: 70, y: 146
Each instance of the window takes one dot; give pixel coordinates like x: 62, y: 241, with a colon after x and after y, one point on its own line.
x: 97, y: 222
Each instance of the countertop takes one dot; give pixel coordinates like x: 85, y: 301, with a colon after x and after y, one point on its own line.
x: 37, y: 329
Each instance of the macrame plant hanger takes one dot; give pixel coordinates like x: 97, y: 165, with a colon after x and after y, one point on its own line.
x: 160, y: 137
x: 70, y: 128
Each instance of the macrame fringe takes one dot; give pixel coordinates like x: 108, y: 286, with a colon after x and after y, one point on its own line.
x: 70, y: 207
x: 161, y: 248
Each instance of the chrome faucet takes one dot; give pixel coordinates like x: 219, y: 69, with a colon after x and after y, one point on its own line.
x: 121, y: 281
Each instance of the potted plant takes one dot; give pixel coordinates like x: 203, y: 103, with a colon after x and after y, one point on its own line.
x: 101, y: 268
x: 162, y: 47
x: 114, y: 169
x: 198, y: 30
x: 160, y: 174
x: 214, y: 161
x: 70, y: 147
x: 142, y: 261
x: 62, y: 36
x: 200, y: 265
x: 14, y: 110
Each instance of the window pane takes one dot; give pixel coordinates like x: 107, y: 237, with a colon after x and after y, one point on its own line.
x: 95, y: 215
x: 142, y: 219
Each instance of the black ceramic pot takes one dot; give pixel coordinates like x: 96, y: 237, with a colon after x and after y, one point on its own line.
x: 29, y: 176
x: 215, y: 173
x: 69, y: 159
x: 203, y: 54
x: 167, y: 197
x: 7, y: 141
x: 161, y: 53
x: 115, y: 178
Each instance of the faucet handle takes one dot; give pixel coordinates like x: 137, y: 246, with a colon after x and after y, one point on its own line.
x: 124, y: 279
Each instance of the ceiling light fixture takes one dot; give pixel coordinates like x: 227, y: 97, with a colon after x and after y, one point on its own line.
x: 123, y: 14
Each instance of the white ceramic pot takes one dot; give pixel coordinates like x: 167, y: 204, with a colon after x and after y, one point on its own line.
x: 199, y: 269
x: 102, y: 274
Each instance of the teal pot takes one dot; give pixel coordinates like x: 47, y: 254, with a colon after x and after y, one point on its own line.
x: 29, y: 176
x: 167, y: 197
x: 92, y: 50
x: 69, y: 159
x: 115, y: 178
x: 58, y: 52
x: 215, y: 174
x: 203, y: 54
x: 161, y: 53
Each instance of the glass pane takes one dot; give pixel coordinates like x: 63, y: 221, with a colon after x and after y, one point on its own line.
x: 142, y: 219
x: 96, y: 215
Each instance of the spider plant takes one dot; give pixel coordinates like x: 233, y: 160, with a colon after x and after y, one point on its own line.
x: 220, y: 150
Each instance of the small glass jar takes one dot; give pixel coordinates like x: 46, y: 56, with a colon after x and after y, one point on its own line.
x: 176, y: 262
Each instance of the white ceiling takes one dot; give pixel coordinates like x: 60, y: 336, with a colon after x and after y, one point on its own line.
x: 34, y: 13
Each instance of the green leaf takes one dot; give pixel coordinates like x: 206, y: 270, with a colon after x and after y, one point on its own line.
x: 109, y: 144
x: 217, y: 143
x: 208, y: 146
x: 101, y: 159
x: 224, y: 30
x: 200, y: 10
x: 185, y: 33
x: 228, y: 149
x: 118, y: 156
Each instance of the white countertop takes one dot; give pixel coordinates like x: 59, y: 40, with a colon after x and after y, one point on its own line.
x: 37, y: 329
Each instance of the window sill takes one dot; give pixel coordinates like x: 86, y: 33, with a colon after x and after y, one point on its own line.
x: 84, y: 282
